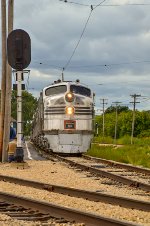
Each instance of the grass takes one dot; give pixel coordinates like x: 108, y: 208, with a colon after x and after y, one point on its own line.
x: 137, y: 154
x: 123, y: 140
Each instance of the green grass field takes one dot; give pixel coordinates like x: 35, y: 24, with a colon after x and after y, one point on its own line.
x: 137, y: 154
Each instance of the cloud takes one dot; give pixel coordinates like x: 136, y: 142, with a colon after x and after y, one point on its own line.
x: 113, y: 50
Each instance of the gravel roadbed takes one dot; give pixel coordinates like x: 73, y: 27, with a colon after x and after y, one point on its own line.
x: 59, y: 174
x: 8, y: 221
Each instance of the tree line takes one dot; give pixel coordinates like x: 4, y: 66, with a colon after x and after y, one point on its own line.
x: 29, y: 105
x: 124, y: 122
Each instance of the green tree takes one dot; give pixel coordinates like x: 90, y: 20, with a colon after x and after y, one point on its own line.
x: 29, y: 105
x: 120, y: 109
x: 124, y: 125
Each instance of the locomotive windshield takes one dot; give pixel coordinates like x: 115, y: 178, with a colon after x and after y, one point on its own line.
x: 55, y: 90
x: 80, y: 90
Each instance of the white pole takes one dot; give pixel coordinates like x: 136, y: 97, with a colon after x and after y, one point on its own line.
x: 19, y: 108
x: 19, y: 150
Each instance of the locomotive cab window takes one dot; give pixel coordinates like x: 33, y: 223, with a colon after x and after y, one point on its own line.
x: 80, y: 90
x: 55, y: 90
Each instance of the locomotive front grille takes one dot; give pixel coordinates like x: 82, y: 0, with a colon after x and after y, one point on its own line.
x: 54, y: 110
x: 83, y: 111
x: 61, y: 110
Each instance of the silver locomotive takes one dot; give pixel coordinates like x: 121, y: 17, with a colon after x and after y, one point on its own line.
x: 63, y: 122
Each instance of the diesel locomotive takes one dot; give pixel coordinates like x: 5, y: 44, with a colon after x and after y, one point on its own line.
x: 63, y: 121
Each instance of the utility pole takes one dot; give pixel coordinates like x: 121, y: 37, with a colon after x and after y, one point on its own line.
x: 7, y: 118
x: 103, y: 103
x: 3, y: 78
x: 116, y: 122
x: 134, y: 96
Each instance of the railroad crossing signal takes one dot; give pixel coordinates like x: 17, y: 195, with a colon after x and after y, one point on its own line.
x: 19, y: 49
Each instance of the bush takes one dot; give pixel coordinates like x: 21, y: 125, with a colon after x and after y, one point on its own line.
x: 102, y: 140
x: 144, y: 133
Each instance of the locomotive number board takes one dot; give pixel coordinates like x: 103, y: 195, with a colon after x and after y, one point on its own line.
x: 69, y: 124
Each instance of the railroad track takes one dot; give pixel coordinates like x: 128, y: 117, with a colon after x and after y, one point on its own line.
x: 132, y: 179
x: 114, y: 164
x: 28, y: 209
x: 92, y: 196
x: 20, y: 212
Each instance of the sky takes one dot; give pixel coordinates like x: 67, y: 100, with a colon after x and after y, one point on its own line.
x: 110, y: 46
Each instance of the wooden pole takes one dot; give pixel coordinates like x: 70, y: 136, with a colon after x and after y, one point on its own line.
x: 3, y: 78
x: 133, y: 119
x: 7, y: 117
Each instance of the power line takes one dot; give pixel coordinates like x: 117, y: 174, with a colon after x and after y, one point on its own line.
x: 85, y: 26
x: 107, y: 5
x: 75, y: 3
x: 96, y: 65
x: 78, y: 41
x: 98, y: 4
x: 50, y: 65
x: 145, y: 100
x: 108, y: 65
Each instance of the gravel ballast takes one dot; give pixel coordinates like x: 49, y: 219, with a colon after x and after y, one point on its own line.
x: 60, y: 174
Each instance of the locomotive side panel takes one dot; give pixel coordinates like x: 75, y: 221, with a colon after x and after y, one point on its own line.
x: 38, y: 119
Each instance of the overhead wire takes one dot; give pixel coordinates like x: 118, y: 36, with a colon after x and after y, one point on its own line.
x: 50, y: 65
x: 145, y: 100
x: 76, y: 3
x: 93, y: 7
x: 94, y: 65
x: 85, y: 26
x: 107, y: 5
x: 101, y: 65
x: 99, y: 4
x: 68, y: 62
x: 112, y: 64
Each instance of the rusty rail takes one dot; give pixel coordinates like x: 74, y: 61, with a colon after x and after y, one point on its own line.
x: 93, y: 196
x: 63, y: 212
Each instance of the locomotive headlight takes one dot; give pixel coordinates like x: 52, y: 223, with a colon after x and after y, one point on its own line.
x: 69, y: 97
x: 70, y: 110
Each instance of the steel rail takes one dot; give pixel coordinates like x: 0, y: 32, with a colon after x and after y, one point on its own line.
x: 119, y: 165
x: 92, y: 196
x: 63, y: 212
x: 102, y: 173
